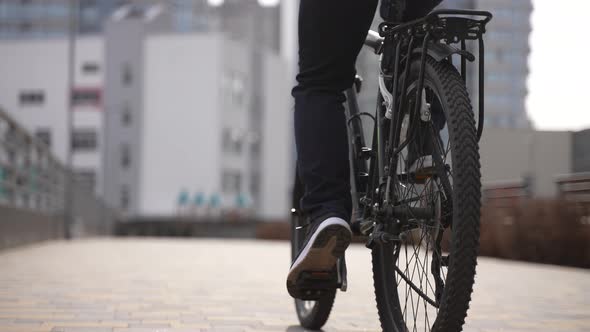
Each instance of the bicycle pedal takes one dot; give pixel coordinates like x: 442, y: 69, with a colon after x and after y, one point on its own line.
x: 315, y: 284
x: 317, y: 278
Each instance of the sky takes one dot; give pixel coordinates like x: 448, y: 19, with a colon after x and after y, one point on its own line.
x: 559, y: 63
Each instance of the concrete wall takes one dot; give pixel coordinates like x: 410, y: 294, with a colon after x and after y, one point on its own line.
x: 552, y: 156
x: 90, y: 215
x: 510, y: 154
x: 20, y: 227
x: 505, y: 154
x: 581, y: 151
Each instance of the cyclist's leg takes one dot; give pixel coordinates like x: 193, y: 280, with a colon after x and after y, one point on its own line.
x: 331, y: 34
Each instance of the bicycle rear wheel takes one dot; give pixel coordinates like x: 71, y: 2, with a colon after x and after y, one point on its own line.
x: 424, y: 281
x: 311, y: 314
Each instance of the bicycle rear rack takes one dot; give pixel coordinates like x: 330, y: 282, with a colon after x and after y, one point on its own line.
x: 450, y: 26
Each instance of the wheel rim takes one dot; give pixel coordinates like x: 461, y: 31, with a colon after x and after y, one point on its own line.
x: 305, y: 308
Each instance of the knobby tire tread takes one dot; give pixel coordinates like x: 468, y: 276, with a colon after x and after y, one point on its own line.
x: 466, y: 209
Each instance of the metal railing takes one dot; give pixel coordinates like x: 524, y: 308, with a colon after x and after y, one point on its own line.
x: 574, y: 187
x: 30, y: 176
x: 505, y: 193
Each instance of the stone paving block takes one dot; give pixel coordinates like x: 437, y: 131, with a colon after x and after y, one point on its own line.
x: 22, y: 328
x: 229, y: 328
x: 27, y: 321
x: 78, y: 324
x: 141, y: 329
x: 194, y: 326
x: 81, y: 329
x: 35, y: 315
x: 149, y: 285
x: 151, y: 326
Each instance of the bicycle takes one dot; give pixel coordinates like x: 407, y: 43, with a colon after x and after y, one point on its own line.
x: 416, y: 191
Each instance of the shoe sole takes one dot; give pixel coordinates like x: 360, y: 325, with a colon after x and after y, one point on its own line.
x: 320, y: 254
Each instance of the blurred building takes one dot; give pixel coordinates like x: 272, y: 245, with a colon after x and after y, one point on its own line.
x: 51, y: 18
x: 528, y: 157
x: 34, y: 91
x: 507, y: 50
x: 535, y: 159
x: 194, y: 116
x: 581, y: 151
x: 506, y: 58
x: 34, y: 54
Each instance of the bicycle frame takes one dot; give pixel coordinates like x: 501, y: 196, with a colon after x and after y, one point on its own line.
x: 436, y: 32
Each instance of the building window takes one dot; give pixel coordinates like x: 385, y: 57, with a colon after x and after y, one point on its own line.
x: 32, y: 98
x: 84, y: 139
x: 237, y: 146
x: 85, y: 179
x: 90, y: 68
x: 237, y: 89
x: 86, y: 97
x: 231, y: 182
x: 124, y: 197
x: 226, y: 139
x: 255, y: 184
x: 126, y: 74
x: 126, y: 116
x: 254, y: 140
x: 89, y: 16
x: 44, y: 135
x: 26, y: 27
x: 125, y: 156
x: 231, y: 141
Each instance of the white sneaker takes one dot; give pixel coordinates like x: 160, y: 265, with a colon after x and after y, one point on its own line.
x: 320, y: 253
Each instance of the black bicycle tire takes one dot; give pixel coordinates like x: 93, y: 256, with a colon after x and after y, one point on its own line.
x: 466, y: 211
x: 318, y: 316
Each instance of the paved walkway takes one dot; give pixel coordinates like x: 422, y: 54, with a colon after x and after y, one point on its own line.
x: 140, y: 285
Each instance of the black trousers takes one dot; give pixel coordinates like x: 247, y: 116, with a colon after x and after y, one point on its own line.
x: 331, y: 34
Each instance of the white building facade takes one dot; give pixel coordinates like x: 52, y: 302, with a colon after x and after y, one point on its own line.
x: 157, y: 115
x: 35, y: 91
x: 181, y: 128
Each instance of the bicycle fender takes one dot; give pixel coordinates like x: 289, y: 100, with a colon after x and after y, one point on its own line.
x: 440, y: 51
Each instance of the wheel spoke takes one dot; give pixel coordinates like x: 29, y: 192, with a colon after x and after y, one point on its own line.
x: 423, y: 180
x: 419, y: 269
x: 415, y: 288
